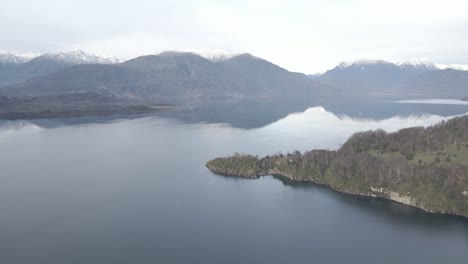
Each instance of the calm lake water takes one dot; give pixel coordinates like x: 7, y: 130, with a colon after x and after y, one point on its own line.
x: 137, y: 191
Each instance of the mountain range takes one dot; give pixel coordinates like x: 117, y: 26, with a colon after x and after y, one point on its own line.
x: 170, y: 77
x: 382, y: 79
x: 186, y: 78
x: 17, y: 68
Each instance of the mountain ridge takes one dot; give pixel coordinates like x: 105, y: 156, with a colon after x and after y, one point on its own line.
x: 171, y: 76
x: 378, y: 77
x: 16, y: 68
x: 186, y: 78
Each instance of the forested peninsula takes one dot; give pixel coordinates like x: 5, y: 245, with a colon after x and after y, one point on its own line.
x: 422, y: 167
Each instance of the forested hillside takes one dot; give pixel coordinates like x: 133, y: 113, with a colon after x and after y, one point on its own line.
x: 422, y: 167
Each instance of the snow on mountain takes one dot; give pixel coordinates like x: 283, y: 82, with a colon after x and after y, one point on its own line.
x: 212, y: 55
x: 414, y: 67
x: 421, y: 65
x: 379, y: 72
x: 81, y: 57
x: 418, y: 65
x: 73, y: 57
x: 460, y: 67
x: 361, y: 62
x: 16, y: 58
x: 216, y: 55
x: 415, y: 64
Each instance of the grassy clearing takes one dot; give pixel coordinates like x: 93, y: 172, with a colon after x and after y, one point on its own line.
x: 453, y: 154
x: 386, y: 155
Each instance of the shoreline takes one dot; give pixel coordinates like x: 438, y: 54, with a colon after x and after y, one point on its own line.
x: 98, y: 111
x: 287, y: 179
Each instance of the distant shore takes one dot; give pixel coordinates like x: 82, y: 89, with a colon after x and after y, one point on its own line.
x: 83, y: 111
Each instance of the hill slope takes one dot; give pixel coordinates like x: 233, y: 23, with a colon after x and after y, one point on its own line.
x: 172, y: 77
x: 421, y: 167
x: 384, y: 79
x: 16, y: 69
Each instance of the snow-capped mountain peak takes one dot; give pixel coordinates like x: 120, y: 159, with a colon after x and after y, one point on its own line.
x: 417, y: 64
x: 420, y: 65
x: 460, y: 67
x: 212, y: 55
x: 16, y: 58
x: 216, y: 55
x: 361, y: 62
x: 81, y: 57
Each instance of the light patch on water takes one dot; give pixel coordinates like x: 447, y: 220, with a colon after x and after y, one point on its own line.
x: 325, y: 127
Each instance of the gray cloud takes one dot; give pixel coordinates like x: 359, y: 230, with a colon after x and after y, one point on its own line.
x: 300, y: 35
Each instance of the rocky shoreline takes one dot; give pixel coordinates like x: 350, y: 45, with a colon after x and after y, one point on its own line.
x: 373, y: 192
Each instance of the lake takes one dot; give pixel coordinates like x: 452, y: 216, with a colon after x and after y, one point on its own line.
x: 136, y: 191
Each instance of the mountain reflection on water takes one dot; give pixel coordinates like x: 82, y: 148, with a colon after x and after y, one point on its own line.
x: 250, y: 114
x: 122, y: 190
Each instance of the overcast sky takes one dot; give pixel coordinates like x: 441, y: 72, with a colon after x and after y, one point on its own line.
x: 307, y: 36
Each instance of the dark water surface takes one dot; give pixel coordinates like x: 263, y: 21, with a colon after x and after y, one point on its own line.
x: 137, y: 191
